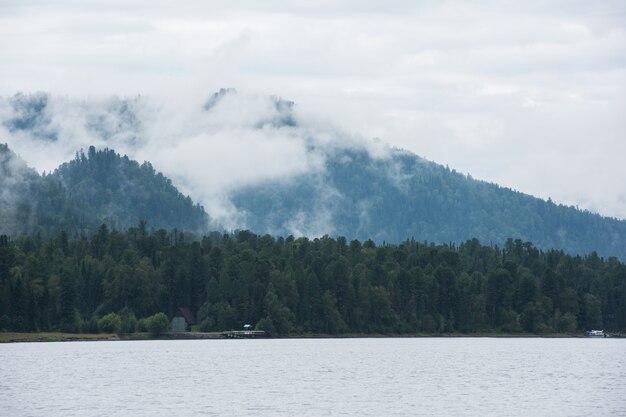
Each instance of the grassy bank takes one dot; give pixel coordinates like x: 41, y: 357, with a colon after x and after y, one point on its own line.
x: 68, y: 337
x: 54, y: 337
x: 14, y: 337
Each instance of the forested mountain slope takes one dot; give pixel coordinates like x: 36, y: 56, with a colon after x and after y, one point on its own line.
x: 121, y: 192
x: 403, y: 196
x: 100, y: 187
x: 338, y: 185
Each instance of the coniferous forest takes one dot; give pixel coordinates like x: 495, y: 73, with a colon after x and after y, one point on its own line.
x: 93, y: 188
x: 111, y: 280
x: 405, y: 196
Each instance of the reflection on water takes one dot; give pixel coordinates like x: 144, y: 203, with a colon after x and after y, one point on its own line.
x: 315, y: 377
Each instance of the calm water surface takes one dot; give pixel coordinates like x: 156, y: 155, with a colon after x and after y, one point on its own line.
x: 316, y: 377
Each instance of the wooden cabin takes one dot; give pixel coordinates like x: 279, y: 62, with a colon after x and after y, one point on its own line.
x: 183, y: 320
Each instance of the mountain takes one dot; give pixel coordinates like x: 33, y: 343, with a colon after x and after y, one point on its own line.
x: 403, y: 196
x: 272, y: 171
x: 100, y: 187
x: 123, y: 192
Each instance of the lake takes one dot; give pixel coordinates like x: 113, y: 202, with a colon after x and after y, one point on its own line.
x: 316, y: 377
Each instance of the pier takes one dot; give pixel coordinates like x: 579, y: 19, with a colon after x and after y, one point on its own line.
x: 243, y: 334
x: 230, y: 334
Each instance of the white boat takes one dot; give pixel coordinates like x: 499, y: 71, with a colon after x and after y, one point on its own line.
x: 595, y: 333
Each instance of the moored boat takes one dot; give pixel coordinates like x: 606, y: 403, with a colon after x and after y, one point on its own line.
x: 595, y: 333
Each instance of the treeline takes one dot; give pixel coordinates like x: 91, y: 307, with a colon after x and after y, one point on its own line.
x: 287, y: 285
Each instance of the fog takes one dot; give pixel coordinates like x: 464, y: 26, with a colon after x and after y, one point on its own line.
x: 208, y: 146
x: 529, y: 95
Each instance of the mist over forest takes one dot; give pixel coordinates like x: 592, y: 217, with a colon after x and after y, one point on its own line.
x: 233, y: 162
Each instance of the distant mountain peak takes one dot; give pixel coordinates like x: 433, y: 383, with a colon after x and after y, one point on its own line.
x: 94, y: 188
x: 403, y: 196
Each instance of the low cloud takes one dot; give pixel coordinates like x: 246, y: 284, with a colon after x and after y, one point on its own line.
x: 529, y: 94
x: 209, y: 147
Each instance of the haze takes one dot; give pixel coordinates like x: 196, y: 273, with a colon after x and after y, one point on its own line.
x: 529, y: 96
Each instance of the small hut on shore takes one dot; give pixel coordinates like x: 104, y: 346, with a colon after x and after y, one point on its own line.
x: 182, y: 320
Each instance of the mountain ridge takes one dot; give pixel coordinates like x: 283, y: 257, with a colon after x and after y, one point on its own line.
x: 392, y: 199
x: 100, y: 187
x: 329, y: 182
x: 406, y: 197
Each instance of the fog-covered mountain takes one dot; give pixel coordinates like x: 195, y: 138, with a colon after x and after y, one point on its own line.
x: 403, y: 196
x: 92, y: 189
x: 256, y: 163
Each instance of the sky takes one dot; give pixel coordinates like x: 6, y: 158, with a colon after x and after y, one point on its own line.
x: 530, y: 95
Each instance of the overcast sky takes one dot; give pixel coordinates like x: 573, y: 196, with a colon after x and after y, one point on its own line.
x: 531, y: 95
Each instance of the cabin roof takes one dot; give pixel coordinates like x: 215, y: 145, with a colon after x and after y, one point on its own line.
x: 185, y: 313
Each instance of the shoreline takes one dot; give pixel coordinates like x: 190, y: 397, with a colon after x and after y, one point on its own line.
x: 16, y: 337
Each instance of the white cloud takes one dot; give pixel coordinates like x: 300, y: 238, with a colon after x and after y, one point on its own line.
x: 528, y: 94
x: 241, y: 140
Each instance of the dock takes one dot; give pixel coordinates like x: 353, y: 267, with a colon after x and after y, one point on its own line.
x: 230, y: 334
x: 243, y: 334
